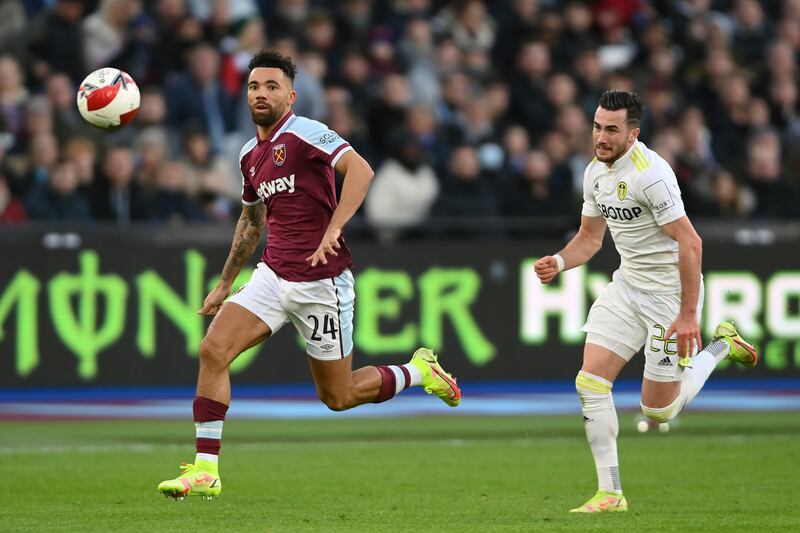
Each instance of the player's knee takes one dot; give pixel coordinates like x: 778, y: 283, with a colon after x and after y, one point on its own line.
x: 659, y: 414
x: 593, y: 391
x: 336, y: 402
x: 212, y: 353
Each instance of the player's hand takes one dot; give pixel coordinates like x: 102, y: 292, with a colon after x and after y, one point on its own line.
x: 546, y: 268
x: 687, y: 327
x: 328, y: 246
x: 214, y: 301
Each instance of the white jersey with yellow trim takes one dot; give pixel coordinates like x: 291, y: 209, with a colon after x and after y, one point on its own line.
x: 636, y: 195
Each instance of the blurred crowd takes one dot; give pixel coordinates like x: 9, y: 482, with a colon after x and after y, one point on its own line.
x: 467, y: 110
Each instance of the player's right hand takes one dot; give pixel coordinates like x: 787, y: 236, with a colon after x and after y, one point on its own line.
x: 546, y: 268
x: 214, y: 301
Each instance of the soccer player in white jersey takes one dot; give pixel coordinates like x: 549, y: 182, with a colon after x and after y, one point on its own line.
x: 655, y: 298
x: 304, y: 278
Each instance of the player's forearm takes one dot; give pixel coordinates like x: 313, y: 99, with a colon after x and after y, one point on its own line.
x: 354, y: 190
x: 690, y: 258
x: 245, y: 239
x: 580, y: 249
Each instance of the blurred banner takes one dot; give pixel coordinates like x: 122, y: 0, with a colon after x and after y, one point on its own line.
x: 120, y: 309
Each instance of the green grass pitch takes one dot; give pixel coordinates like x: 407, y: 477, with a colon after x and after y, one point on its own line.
x: 716, y: 472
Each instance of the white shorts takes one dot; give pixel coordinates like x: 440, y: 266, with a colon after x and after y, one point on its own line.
x: 624, y: 319
x: 321, y: 310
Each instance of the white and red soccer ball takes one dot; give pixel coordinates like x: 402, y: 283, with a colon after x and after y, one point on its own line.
x: 108, y: 98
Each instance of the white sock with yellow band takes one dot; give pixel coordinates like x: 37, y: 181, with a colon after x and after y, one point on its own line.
x: 602, y: 427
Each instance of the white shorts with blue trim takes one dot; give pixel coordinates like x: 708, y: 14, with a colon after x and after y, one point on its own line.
x: 321, y: 310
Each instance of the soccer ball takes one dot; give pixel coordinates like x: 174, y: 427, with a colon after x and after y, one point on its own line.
x: 108, y: 98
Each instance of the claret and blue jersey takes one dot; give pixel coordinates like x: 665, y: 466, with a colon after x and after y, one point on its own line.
x: 292, y: 172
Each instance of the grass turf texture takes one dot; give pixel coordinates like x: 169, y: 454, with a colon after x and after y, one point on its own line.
x: 717, y: 472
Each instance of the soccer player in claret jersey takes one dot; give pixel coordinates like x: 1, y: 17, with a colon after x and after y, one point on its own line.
x: 655, y: 298
x: 304, y: 275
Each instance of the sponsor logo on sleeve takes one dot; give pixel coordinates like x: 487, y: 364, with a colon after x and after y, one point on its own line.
x: 659, y: 196
x: 328, y: 137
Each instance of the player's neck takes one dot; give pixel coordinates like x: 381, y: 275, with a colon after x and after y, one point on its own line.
x: 265, y: 132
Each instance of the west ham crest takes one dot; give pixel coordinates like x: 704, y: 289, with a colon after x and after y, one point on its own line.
x: 279, y: 154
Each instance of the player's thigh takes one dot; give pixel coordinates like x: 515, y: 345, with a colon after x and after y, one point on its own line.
x: 601, y: 361
x: 613, y: 332
x: 322, y: 312
x: 233, y: 330
x: 332, y: 378
x: 662, y: 373
x: 249, y: 316
x: 658, y: 312
x: 261, y: 295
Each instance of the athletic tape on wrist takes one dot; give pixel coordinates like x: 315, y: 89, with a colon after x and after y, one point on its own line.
x: 559, y: 262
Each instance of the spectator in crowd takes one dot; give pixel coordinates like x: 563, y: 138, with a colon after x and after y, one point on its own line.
x: 724, y: 196
x: 12, y: 28
x: 171, y: 204
x: 403, y: 190
x: 176, y: 33
x: 66, y: 120
x: 105, y: 31
x: 434, y: 139
x: 775, y: 196
x: 533, y: 193
x: 751, y: 32
x: 417, y: 50
x: 150, y: 152
x: 12, y: 210
x: 43, y: 154
x: 199, y: 96
x: 59, y: 199
x: 389, y: 111
x: 208, y: 174
x: 467, y: 194
x: 56, y: 40
x: 13, y: 97
x: 117, y: 197
x: 82, y: 152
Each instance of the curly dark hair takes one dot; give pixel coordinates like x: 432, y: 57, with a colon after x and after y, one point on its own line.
x: 616, y: 99
x: 272, y: 59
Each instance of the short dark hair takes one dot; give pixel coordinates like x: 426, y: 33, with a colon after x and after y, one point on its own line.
x: 615, y: 99
x: 272, y: 59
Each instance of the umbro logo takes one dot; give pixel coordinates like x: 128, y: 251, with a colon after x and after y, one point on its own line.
x: 596, y: 187
x: 587, y: 419
x: 665, y: 362
x: 252, y: 171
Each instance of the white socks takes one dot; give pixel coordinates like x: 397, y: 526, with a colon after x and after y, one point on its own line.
x: 703, y: 365
x: 694, y: 378
x: 602, y: 427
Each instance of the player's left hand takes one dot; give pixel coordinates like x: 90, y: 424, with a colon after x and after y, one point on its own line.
x: 328, y: 246
x: 687, y: 327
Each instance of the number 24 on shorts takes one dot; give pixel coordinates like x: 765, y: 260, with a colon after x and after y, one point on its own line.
x: 328, y: 327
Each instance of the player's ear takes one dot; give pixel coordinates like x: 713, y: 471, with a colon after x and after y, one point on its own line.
x: 633, y: 133
x: 292, y: 97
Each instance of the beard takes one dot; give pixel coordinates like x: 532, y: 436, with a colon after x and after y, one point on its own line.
x: 265, y: 118
x: 615, y: 153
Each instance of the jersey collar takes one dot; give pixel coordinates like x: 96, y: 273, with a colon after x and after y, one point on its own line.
x: 282, y: 125
x: 279, y: 128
